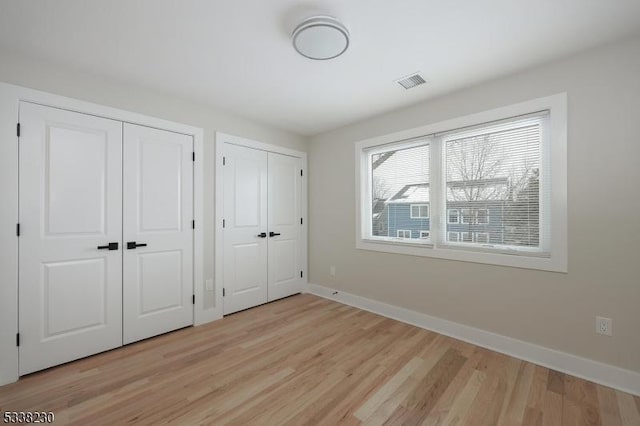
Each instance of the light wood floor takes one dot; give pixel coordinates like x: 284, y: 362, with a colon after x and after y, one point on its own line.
x: 306, y: 360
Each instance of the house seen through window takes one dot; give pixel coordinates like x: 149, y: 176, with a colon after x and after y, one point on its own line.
x: 400, y: 193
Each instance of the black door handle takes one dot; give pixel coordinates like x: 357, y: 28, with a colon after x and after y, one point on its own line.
x: 262, y: 235
x: 110, y: 246
x: 133, y: 244
x: 273, y: 234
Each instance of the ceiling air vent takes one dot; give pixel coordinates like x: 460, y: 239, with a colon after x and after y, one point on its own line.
x: 411, y: 81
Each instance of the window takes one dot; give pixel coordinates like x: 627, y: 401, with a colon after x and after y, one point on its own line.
x: 399, y: 191
x: 469, y: 237
x: 482, y: 216
x: 475, y: 188
x: 467, y: 216
x: 453, y: 216
x: 475, y: 216
x: 419, y: 211
x: 481, y: 237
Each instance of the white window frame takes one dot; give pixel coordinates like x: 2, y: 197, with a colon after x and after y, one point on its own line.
x: 457, y: 216
x: 554, y: 175
x: 428, y: 234
x: 478, y: 216
x: 375, y: 149
x: 411, y: 206
x: 456, y: 233
x: 398, y: 231
x: 474, y: 216
x: 462, y: 216
x: 475, y: 237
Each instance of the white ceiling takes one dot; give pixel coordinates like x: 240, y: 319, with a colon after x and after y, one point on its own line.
x: 237, y: 56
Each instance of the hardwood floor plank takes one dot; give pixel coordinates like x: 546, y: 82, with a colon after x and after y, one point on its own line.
x: 555, y: 382
x: 571, y: 413
x: 384, y: 410
x: 538, y: 387
x: 457, y: 414
x: 552, y: 411
x: 345, y: 396
x: 583, y: 394
x: 515, y: 409
x: 418, y: 404
x: 385, y: 392
x: 533, y: 415
x: 446, y: 403
x: 609, y: 410
x: 628, y: 410
x: 310, y: 361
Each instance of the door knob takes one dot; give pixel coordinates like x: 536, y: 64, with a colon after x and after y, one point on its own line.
x: 273, y: 234
x: 133, y: 244
x: 110, y: 246
x: 262, y: 235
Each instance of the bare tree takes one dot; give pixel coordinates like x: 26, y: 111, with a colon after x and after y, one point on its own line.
x: 480, y: 169
x: 474, y: 163
x: 381, y: 190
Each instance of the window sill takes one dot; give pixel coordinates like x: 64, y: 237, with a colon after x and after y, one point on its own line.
x: 476, y: 254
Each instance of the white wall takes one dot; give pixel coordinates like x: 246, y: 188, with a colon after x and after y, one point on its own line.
x: 555, y: 310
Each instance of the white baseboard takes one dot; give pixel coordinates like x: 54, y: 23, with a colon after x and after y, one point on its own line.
x: 598, y: 372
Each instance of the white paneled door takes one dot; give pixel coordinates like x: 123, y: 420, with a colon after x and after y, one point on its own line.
x: 262, y: 227
x: 245, y: 228
x: 106, y: 238
x: 157, y: 231
x: 70, y: 246
x: 285, y: 226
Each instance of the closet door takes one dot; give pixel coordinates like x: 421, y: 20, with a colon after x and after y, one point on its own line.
x: 157, y: 232
x: 245, y: 228
x: 285, y: 226
x: 70, y: 248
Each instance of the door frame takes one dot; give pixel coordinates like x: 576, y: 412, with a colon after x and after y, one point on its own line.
x: 10, y: 98
x: 221, y: 139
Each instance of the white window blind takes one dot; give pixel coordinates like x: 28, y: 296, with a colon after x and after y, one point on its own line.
x: 493, y: 177
x: 400, y: 191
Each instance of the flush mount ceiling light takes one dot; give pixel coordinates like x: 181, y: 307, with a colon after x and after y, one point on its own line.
x: 320, y: 38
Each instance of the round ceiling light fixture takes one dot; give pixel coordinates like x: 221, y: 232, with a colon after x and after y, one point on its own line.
x: 320, y: 38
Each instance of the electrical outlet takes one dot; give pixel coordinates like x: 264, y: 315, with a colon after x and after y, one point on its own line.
x: 332, y: 271
x: 604, y: 326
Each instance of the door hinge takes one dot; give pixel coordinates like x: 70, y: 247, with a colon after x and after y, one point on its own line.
x: 17, y: 229
x: 224, y: 292
x: 193, y: 299
x: 193, y: 224
x: 224, y: 161
x: 18, y: 129
x: 300, y: 221
x: 224, y: 223
x: 300, y: 274
x: 17, y: 339
x: 193, y: 156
